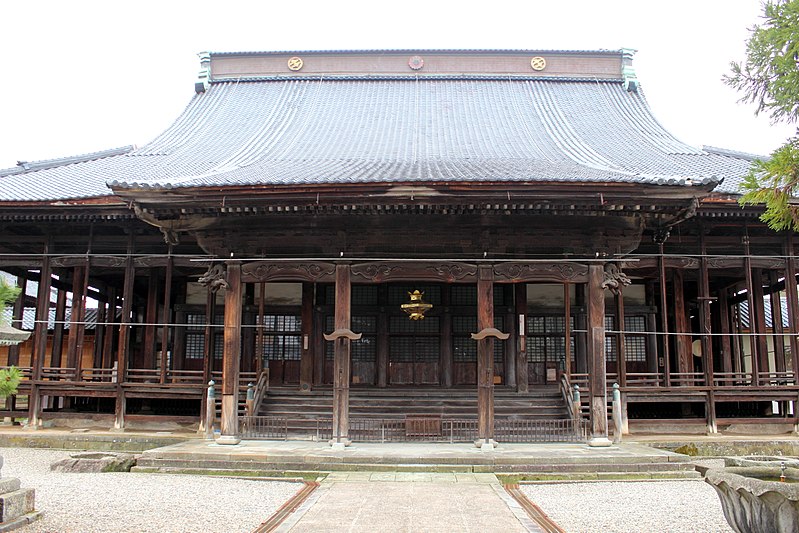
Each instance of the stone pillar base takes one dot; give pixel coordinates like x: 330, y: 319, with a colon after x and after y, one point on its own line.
x: 599, y: 442
x: 339, y: 444
x: 228, y: 440
x: 485, y: 445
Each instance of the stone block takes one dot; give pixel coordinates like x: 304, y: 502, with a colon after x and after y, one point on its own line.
x: 95, y: 462
x: 9, y: 484
x: 15, y: 504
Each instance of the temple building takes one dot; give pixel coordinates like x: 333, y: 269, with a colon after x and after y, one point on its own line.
x: 403, y: 245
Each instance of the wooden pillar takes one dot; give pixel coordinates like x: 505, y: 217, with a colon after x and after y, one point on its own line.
x: 706, y: 341
x: 208, y: 335
x: 76, y: 318
x: 306, y: 357
x: 259, y: 340
x: 520, y: 304
x: 164, y: 363
x: 445, y: 348
x: 682, y: 328
x: 567, y: 327
x: 58, y: 327
x: 40, y: 338
x: 108, y: 336
x: 16, y: 320
x: 485, y: 356
x: 320, y: 348
x: 150, y: 318
x: 724, y: 324
x: 792, y: 299
x: 341, y: 359
x: 123, y: 346
x: 231, y: 356
x: 512, y: 346
x: 621, y: 355
x: 664, y: 318
x: 777, y: 327
x: 596, y: 356
x: 757, y: 319
x: 382, y: 337
x: 750, y: 299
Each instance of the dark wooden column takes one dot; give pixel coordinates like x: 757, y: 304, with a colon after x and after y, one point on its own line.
x: 706, y: 341
x: 512, y: 346
x: 306, y: 357
x: 40, y: 338
x: 682, y: 328
x: 341, y: 358
x: 792, y: 299
x: 664, y: 316
x: 108, y: 336
x: 757, y: 320
x: 123, y: 346
x: 58, y: 327
x: 445, y: 348
x: 595, y: 305
x: 208, y: 335
x: 164, y: 363
x: 231, y: 356
x: 485, y: 356
x: 150, y: 318
x: 750, y: 300
x: 724, y: 324
x: 16, y: 321
x: 382, y: 337
x: 76, y: 319
x: 776, y: 322
x: 520, y: 302
x: 621, y: 352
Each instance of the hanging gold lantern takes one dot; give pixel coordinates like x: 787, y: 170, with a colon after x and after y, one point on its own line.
x: 416, y: 307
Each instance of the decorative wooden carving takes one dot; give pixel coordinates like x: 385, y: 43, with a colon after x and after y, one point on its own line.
x: 343, y: 333
x: 259, y: 271
x: 214, y: 278
x: 490, y: 332
x: 724, y: 262
x: 682, y: 262
x: 97, y: 261
x: 447, y: 272
x: 556, y: 272
x: 614, y: 278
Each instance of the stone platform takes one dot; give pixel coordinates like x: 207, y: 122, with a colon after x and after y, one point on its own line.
x: 533, y: 461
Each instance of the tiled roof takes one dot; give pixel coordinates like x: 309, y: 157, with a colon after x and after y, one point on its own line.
x: 320, y: 130
x: 29, y: 318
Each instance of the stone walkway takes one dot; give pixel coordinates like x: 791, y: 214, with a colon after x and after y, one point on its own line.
x: 409, y: 502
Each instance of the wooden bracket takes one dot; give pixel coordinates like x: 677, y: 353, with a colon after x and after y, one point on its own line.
x: 343, y: 332
x: 490, y: 332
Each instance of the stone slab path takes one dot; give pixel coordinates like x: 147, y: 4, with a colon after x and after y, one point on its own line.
x: 409, y: 502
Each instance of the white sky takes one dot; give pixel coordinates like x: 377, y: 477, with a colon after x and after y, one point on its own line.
x: 80, y: 76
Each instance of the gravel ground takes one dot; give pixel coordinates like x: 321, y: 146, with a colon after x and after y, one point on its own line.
x: 631, y: 507
x: 116, y: 502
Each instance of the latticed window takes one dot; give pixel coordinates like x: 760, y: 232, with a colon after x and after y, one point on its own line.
x: 365, y: 349
x: 282, y: 337
x: 466, y: 295
x: 546, y: 339
x: 414, y: 340
x: 634, y: 339
x: 195, y: 336
x: 464, y: 348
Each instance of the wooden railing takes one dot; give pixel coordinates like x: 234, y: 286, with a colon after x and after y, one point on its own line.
x: 259, y: 391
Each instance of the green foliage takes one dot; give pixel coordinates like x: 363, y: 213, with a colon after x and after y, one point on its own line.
x: 9, y: 381
x: 8, y: 292
x: 774, y: 182
x: 769, y: 78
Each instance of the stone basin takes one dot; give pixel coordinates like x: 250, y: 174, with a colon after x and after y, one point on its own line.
x: 753, y: 503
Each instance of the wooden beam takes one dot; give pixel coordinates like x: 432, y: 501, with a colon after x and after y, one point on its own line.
x: 596, y: 356
x: 231, y: 357
x: 341, y: 359
x: 485, y: 356
x: 16, y: 320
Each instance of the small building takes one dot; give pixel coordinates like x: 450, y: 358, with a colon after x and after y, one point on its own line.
x: 276, y: 233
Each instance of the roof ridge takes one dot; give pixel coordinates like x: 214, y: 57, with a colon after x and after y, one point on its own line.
x: 26, y: 166
x: 733, y: 153
x: 423, y: 50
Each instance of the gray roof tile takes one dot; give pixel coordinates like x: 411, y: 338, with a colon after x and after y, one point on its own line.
x: 323, y: 130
